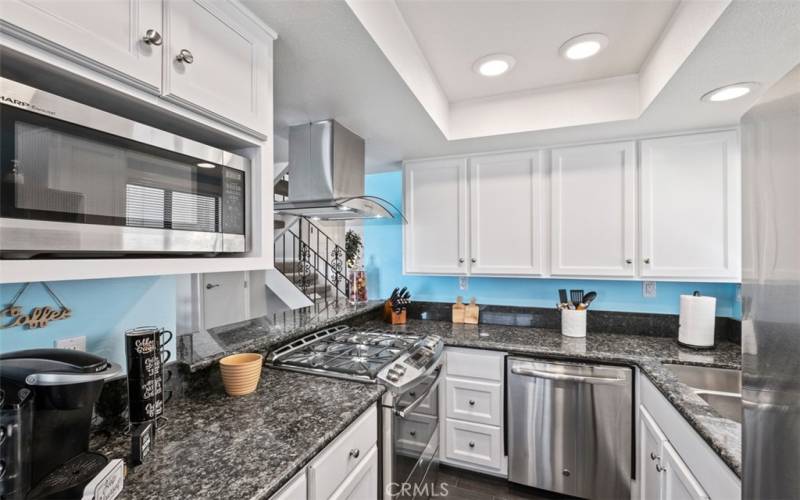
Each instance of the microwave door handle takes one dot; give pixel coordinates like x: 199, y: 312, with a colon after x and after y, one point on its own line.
x: 529, y: 372
x: 405, y: 412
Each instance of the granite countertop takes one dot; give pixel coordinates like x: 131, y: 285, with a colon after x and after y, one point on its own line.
x: 648, y: 353
x: 247, y: 447
x: 201, y: 349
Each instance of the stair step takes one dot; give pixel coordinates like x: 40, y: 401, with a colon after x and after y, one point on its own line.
x: 282, y: 187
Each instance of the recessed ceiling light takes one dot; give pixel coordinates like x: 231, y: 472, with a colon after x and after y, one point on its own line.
x: 203, y: 164
x: 729, y: 92
x: 583, y: 46
x: 494, y: 65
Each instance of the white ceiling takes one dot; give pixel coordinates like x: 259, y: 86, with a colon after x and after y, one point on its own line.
x: 453, y: 35
x: 328, y: 66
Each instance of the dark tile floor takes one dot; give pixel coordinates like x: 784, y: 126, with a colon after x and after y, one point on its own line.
x: 467, y: 485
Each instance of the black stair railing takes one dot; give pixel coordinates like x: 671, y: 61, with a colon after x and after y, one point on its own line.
x: 312, y: 261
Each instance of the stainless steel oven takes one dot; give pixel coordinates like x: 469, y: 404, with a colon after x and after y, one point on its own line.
x: 411, y: 439
x: 78, y: 180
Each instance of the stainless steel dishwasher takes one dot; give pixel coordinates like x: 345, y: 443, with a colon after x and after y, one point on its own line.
x: 570, y: 427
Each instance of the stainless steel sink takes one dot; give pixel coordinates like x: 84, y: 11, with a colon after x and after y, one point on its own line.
x: 721, y: 388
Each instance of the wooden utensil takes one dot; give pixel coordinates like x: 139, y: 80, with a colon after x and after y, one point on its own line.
x: 471, y: 312
x: 458, y: 310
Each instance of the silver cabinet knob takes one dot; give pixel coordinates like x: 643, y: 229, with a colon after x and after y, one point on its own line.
x: 629, y: 261
x: 472, y: 402
x: 211, y: 285
x: 565, y: 473
x: 152, y: 37
x: 413, y: 433
x: 185, y: 56
x: 474, y: 260
x: 653, y: 456
x: 461, y: 260
x: 354, y: 453
x: 660, y: 468
x: 647, y: 261
x: 472, y: 444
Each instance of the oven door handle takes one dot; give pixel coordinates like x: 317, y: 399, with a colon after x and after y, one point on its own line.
x: 405, y: 412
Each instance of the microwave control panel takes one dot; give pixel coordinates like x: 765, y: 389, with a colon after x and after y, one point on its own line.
x: 233, y: 196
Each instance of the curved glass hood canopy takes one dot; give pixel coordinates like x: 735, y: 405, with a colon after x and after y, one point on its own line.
x: 326, y: 177
x: 365, y: 209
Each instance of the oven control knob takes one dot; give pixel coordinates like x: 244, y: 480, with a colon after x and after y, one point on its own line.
x: 399, y: 369
x: 392, y: 376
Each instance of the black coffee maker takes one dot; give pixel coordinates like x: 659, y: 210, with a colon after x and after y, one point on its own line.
x: 63, y: 387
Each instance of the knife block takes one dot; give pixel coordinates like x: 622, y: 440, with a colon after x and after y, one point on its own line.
x: 392, y: 317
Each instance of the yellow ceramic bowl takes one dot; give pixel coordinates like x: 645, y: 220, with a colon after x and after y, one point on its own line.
x: 241, y: 373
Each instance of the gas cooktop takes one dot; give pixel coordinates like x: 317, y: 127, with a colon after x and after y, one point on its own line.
x: 361, y: 354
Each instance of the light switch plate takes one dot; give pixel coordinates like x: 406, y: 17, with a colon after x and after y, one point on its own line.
x: 649, y: 289
x: 73, y: 343
x: 463, y: 282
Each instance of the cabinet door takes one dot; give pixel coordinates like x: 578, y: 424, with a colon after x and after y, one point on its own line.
x: 107, y: 36
x: 506, y: 214
x: 225, y: 299
x: 691, y: 209
x: 295, y: 490
x: 362, y: 483
x: 679, y: 483
x: 230, y: 62
x: 593, y: 210
x: 435, y: 205
x: 650, y: 453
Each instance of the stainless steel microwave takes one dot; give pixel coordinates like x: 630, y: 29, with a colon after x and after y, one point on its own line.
x: 76, y: 180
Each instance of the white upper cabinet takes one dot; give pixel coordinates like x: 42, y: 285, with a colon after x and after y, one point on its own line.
x: 506, y: 214
x: 435, y: 237
x: 691, y: 207
x: 218, y: 59
x: 593, y: 210
x: 106, y: 35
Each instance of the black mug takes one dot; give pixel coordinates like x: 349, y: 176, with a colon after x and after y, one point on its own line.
x: 146, y: 356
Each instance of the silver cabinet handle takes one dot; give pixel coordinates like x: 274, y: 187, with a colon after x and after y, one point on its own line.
x: 461, y: 260
x: 472, y: 444
x: 629, y: 261
x: 474, y: 260
x: 212, y: 285
x: 660, y: 468
x: 647, y: 260
x: 152, y: 37
x: 354, y: 453
x: 653, y: 456
x: 472, y: 402
x: 185, y: 56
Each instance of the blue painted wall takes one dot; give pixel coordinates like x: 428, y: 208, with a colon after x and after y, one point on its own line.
x: 101, y: 310
x: 383, y: 252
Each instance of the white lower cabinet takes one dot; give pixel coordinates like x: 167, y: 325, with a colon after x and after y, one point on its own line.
x: 346, y: 469
x: 674, y: 462
x: 295, y: 490
x: 472, y: 410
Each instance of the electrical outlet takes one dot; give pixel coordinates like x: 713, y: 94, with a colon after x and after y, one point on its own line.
x: 649, y: 289
x: 463, y: 283
x: 73, y: 343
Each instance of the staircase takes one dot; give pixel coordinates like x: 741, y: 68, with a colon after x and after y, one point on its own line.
x: 305, y: 256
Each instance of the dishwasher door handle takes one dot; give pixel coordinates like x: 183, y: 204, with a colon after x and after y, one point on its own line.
x: 530, y: 372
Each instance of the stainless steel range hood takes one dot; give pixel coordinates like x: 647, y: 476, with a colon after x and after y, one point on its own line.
x: 326, y: 177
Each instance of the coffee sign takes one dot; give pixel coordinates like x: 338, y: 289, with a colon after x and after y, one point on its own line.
x: 38, y: 317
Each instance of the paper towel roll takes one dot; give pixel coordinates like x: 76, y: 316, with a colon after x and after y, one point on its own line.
x: 697, y: 321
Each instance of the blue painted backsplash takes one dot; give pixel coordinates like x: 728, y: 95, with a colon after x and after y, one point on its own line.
x: 102, y: 310
x: 383, y: 259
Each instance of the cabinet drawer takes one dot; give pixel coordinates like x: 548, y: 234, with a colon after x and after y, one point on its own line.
x: 327, y: 471
x: 414, y: 432
x: 474, y: 443
x: 475, y: 364
x: 473, y: 401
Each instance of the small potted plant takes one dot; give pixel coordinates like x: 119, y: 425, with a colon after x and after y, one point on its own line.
x: 353, y: 245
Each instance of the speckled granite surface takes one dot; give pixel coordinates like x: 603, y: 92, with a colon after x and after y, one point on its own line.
x: 216, y: 446
x: 201, y: 349
x: 648, y: 353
